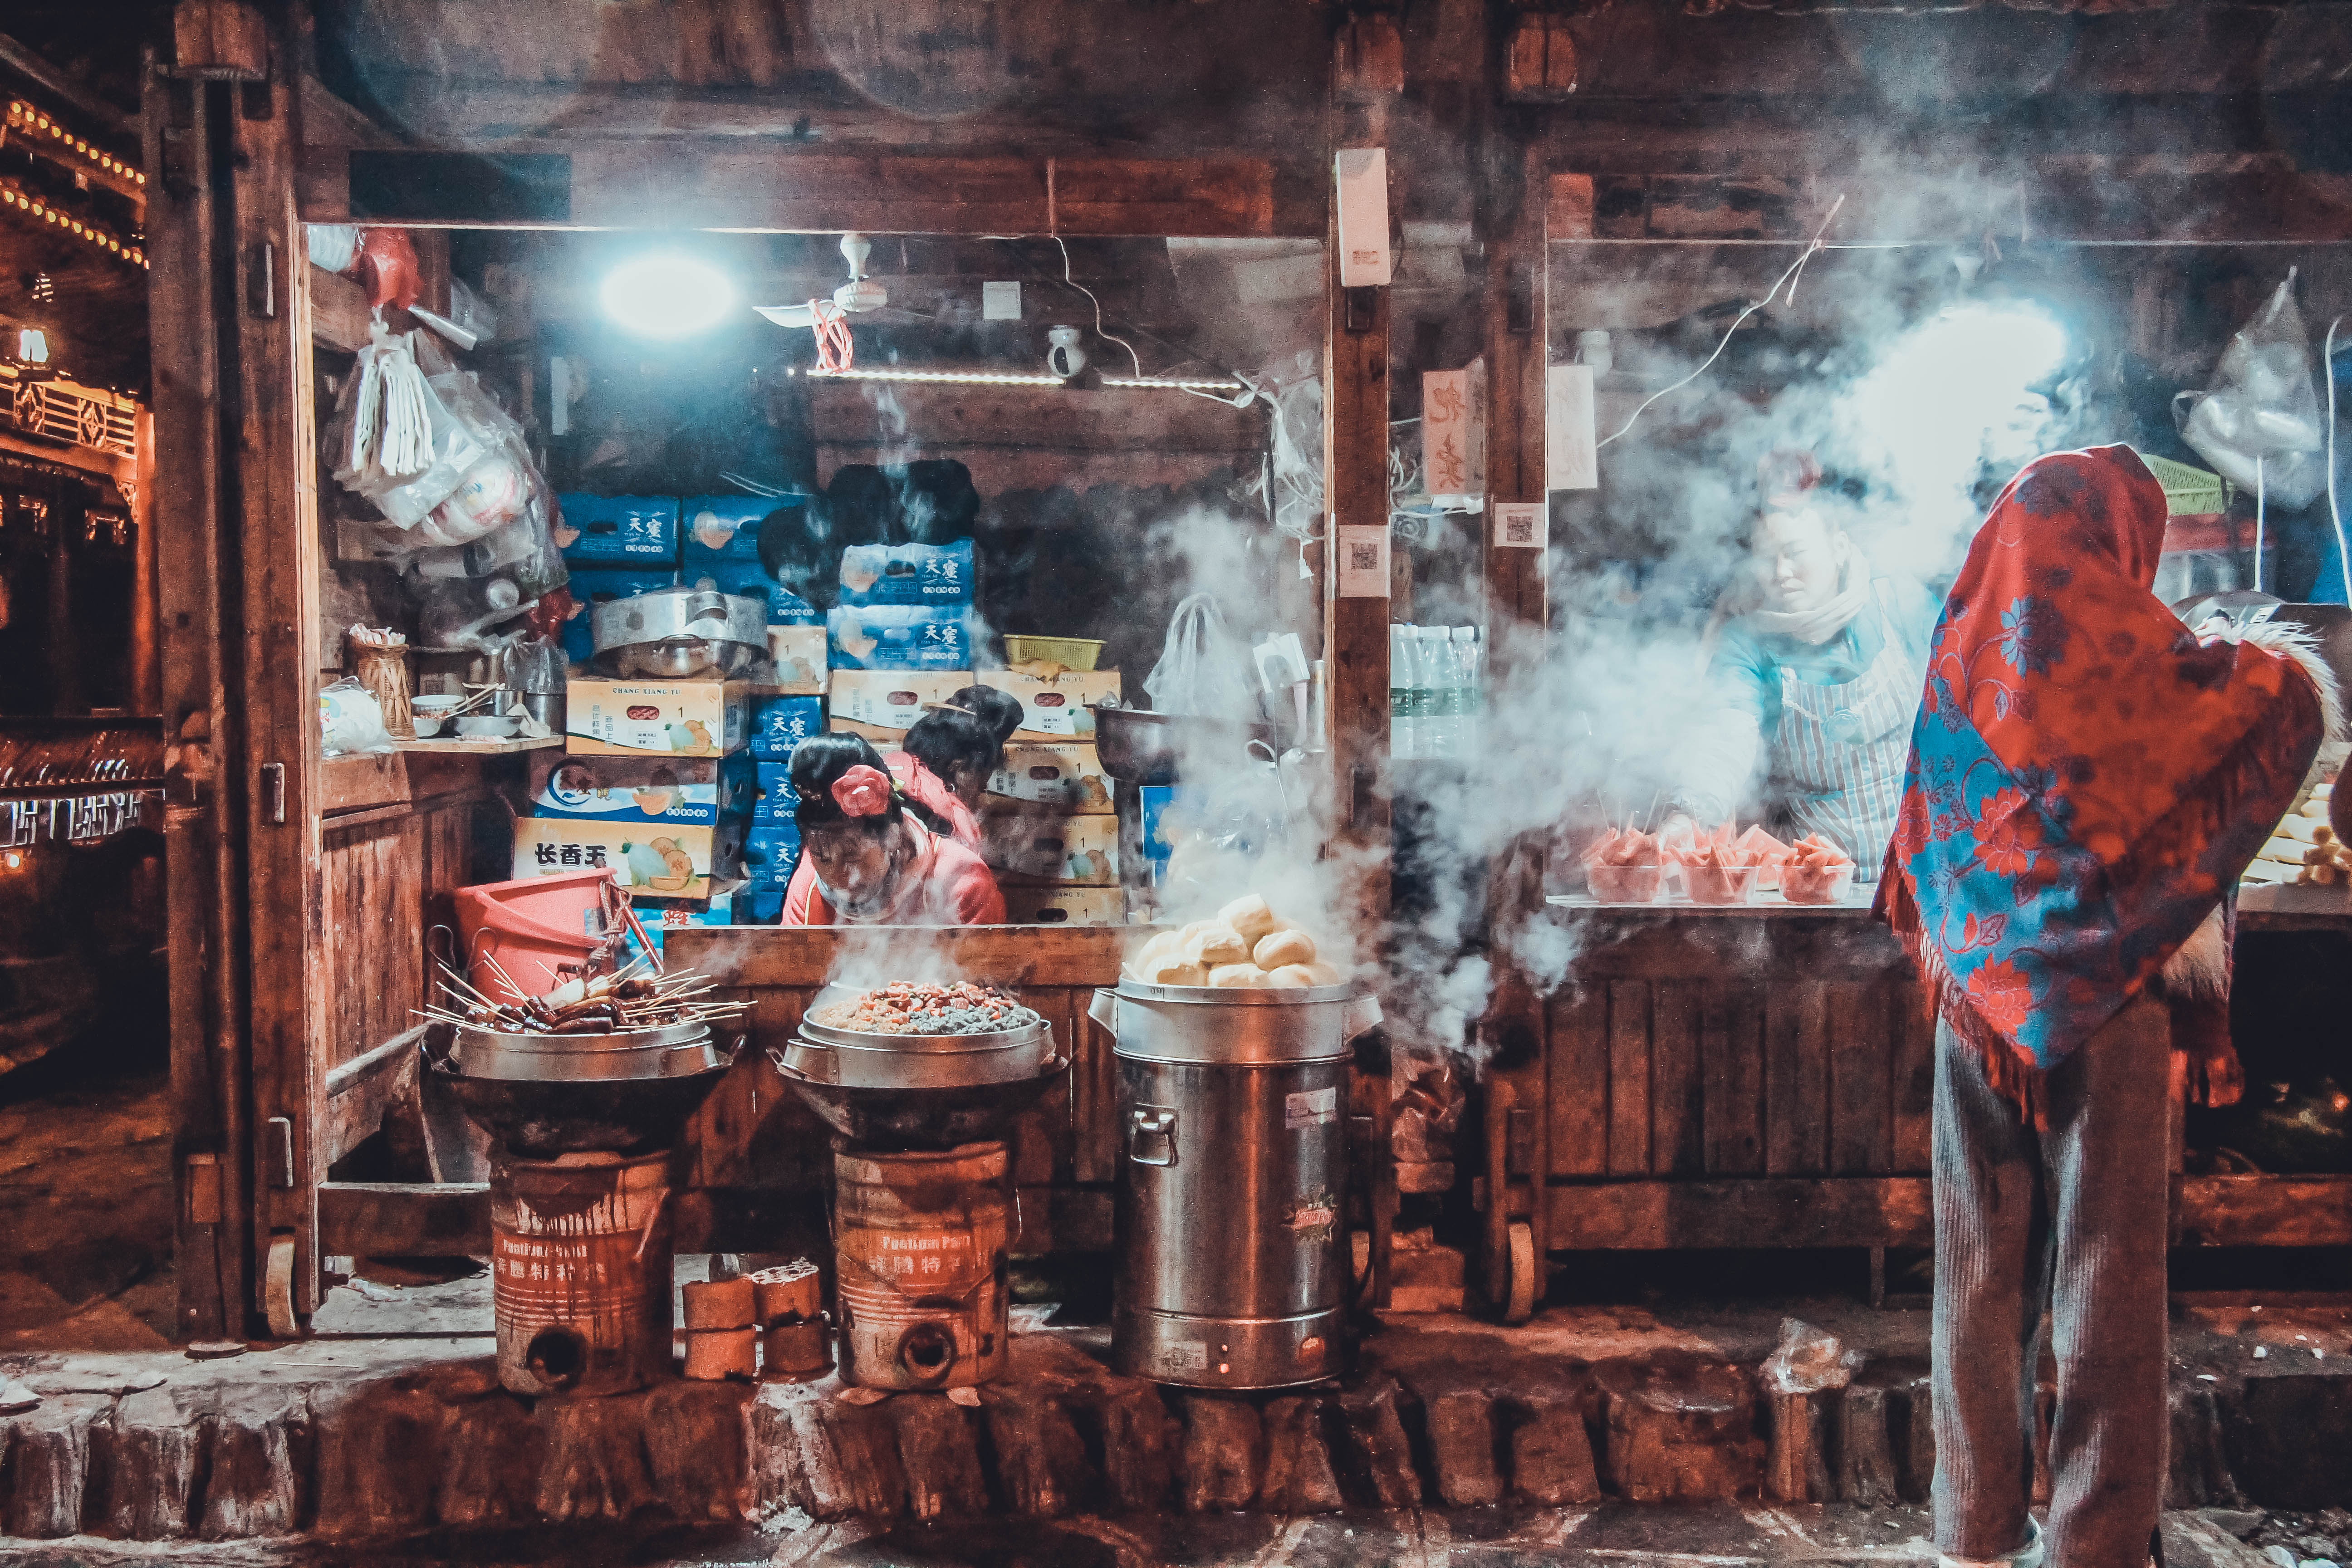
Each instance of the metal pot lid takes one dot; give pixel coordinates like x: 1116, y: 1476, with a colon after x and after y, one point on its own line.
x: 1027, y: 1034
x: 1239, y: 997
x: 640, y: 1064
x: 680, y: 614
x: 856, y: 1067
x: 685, y: 1034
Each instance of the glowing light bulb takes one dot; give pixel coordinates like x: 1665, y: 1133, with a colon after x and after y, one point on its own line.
x: 31, y: 345
x: 667, y: 295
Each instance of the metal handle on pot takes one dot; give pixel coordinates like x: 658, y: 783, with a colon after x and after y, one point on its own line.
x: 1103, y: 1010
x: 1152, y: 1135
x: 1363, y: 1014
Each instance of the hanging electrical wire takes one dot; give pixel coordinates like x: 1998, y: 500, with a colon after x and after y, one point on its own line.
x: 1788, y: 277
x: 836, y: 350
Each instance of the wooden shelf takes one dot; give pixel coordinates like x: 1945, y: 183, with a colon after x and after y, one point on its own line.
x: 478, y: 748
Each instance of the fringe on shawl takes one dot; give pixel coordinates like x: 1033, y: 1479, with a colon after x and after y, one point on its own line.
x: 2011, y: 1073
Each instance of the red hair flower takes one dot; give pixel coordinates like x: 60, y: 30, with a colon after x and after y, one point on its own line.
x: 862, y: 792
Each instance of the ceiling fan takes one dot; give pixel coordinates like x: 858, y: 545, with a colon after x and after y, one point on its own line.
x: 861, y: 297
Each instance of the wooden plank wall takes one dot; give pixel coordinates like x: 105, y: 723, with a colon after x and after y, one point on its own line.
x: 1813, y: 1062
x: 755, y: 1133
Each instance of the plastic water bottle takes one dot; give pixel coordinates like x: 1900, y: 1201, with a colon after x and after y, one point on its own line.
x: 1470, y: 660
x: 1403, y: 731
x: 1440, y: 721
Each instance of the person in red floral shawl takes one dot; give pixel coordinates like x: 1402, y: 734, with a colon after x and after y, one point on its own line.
x: 2087, y: 781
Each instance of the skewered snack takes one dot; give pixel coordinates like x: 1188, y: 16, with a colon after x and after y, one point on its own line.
x: 629, y: 998
x: 910, y: 1007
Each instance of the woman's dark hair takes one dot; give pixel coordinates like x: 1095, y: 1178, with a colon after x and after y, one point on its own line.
x: 821, y: 760
x: 999, y: 711
x: 945, y: 741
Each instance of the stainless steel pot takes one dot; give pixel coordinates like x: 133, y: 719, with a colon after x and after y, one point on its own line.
x: 853, y: 1058
x: 678, y: 1052
x: 1231, y: 1199
x: 673, y: 633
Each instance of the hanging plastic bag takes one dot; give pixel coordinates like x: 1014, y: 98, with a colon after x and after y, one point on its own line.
x: 1204, y: 669
x: 351, y: 720
x: 2261, y: 427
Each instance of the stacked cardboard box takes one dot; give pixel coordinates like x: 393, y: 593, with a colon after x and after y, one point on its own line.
x: 1047, y: 825
x: 616, y: 547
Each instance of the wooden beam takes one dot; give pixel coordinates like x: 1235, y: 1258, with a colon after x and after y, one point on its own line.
x: 360, y: 1091
x: 2263, y: 1211
x: 788, y: 956
x: 1887, y: 1211
x: 1037, y: 417
x: 404, y: 1219
x: 102, y: 465
x: 722, y: 183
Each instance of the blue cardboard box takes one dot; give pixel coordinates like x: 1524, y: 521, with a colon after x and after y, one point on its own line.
x: 749, y: 579
x: 727, y: 528
x: 782, y: 722
x: 771, y: 855
x: 594, y: 586
x: 907, y: 574
x: 774, y: 798
x: 899, y: 636
x: 617, y: 530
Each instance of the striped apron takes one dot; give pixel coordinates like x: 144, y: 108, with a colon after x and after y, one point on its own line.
x: 1839, y: 754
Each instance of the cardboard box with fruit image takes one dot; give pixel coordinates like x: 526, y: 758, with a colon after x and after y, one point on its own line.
x: 662, y: 861
x: 677, y: 718
x: 686, y: 791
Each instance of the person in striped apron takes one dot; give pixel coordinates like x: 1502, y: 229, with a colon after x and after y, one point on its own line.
x: 1814, y: 669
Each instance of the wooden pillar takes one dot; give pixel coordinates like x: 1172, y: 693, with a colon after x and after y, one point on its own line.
x: 146, y: 669
x: 204, y: 904
x: 276, y: 523
x: 1366, y: 78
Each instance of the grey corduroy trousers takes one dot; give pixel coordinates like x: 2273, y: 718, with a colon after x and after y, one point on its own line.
x: 2073, y: 1215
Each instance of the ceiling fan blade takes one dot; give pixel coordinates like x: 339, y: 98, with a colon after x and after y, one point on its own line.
x: 785, y: 315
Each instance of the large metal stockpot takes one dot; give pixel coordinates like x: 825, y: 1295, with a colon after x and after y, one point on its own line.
x: 1231, y: 1217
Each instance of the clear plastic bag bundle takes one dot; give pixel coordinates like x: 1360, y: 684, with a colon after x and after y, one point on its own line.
x: 2262, y: 428
x: 1204, y: 669
x: 351, y: 720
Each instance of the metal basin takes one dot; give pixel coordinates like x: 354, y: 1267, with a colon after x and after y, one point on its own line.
x: 1139, y: 747
x: 541, y: 1120
x: 676, y: 632
x: 678, y: 1052
x: 1033, y: 1034
x: 920, y: 1118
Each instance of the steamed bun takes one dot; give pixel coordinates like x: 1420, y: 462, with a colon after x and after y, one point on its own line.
x: 1284, y: 947
x: 1291, y: 975
x: 1169, y: 969
x: 1248, y: 977
x: 1219, y: 944
x: 1322, y: 973
x: 1250, y: 917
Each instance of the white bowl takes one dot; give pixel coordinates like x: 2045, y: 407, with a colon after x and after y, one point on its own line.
x: 434, y: 703
x: 488, y: 726
x: 426, y: 725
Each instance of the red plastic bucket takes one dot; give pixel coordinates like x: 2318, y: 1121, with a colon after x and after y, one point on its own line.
x: 530, y: 927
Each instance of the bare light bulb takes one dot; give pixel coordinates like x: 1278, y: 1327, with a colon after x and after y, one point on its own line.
x: 666, y: 296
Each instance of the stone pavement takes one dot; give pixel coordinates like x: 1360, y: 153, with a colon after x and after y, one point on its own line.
x: 388, y: 1424
x: 1610, y: 1535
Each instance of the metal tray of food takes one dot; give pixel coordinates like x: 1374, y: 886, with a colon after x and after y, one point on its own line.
x: 1034, y: 1036
x: 675, y: 1050
x: 868, y: 1066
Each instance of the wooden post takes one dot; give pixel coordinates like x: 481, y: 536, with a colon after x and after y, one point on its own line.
x: 146, y: 670
x: 278, y: 540
x: 1356, y: 630
x: 205, y: 908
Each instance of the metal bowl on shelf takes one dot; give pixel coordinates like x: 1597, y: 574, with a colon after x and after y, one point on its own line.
x: 679, y: 633
x: 1140, y: 747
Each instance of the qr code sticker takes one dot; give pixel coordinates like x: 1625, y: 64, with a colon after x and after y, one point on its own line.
x: 1519, y: 529
x: 1363, y: 558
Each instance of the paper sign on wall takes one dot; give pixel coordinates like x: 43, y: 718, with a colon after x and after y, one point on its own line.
x: 1453, y: 435
x: 1364, y: 562
x: 1571, y: 460
x: 1522, y: 524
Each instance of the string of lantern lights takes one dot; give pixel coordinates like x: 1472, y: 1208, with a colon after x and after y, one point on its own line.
x: 52, y: 139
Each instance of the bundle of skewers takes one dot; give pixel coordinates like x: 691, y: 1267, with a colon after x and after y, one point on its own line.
x: 634, y: 996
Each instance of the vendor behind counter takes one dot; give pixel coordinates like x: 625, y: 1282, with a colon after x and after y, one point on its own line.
x: 870, y: 855
x: 1815, y: 673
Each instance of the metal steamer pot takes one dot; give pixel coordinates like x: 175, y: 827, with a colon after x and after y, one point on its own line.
x: 1231, y: 1210
x: 671, y: 634
x: 916, y: 1090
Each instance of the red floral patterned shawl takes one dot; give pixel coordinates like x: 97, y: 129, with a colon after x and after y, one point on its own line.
x: 2086, y: 779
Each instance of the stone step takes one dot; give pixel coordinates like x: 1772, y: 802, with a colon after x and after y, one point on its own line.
x: 441, y: 1446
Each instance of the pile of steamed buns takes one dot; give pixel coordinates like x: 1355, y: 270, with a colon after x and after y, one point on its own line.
x: 1247, y: 945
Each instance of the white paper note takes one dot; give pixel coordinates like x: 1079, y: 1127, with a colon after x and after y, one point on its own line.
x: 1364, y: 562
x: 1522, y: 524
x: 1572, y: 460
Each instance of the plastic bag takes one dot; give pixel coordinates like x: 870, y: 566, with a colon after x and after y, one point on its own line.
x: 1204, y: 669
x: 1809, y: 1360
x: 2262, y: 428
x: 351, y: 720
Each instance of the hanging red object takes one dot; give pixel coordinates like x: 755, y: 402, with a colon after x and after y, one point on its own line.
x: 388, y: 264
